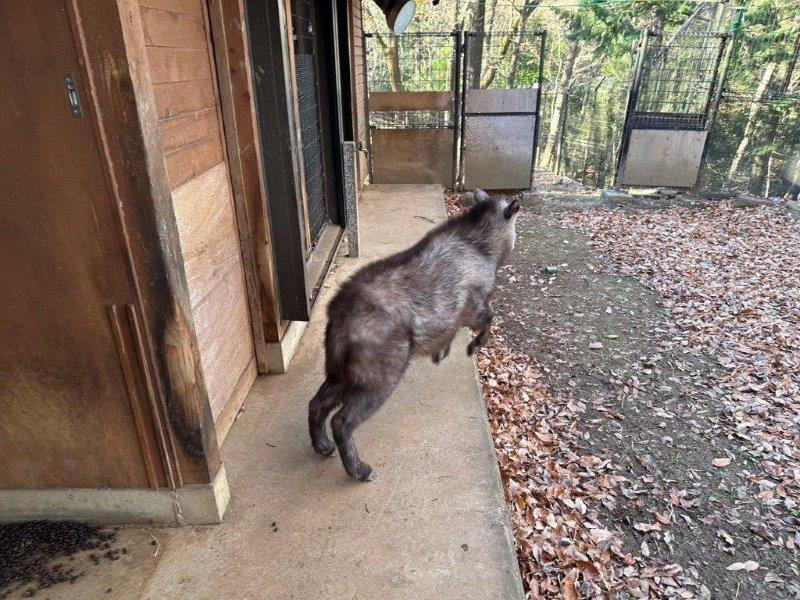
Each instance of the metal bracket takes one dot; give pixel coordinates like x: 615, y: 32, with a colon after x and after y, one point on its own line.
x: 72, y: 95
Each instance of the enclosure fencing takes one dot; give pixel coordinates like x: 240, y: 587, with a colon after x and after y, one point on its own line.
x: 733, y: 81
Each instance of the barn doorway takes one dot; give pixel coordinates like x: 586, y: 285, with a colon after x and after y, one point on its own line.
x: 297, y: 61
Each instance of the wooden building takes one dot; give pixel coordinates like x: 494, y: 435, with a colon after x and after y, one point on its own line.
x: 173, y: 189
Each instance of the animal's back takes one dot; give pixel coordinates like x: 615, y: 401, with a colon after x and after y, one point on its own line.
x: 412, y: 302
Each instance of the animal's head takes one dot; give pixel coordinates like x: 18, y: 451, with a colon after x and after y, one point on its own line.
x: 497, y: 220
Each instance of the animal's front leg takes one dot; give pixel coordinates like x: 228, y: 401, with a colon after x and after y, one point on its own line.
x: 441, y: 354
x: 481, y: 324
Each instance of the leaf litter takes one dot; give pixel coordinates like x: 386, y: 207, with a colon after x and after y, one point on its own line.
x: 560, y: 495
x: 730, y: 281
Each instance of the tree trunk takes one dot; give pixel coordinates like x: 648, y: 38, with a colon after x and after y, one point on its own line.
x: 392, y: 60
x: 525, y: 14
x: 776, y: 120
x: 503, y: 53
x: 752, y: 120
x: 477, y: 25
x: 560, y: 104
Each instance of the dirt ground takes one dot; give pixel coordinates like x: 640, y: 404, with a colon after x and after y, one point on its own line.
x: 652, y: 411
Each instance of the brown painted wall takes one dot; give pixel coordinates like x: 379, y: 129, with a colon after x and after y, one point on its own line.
x: 183, y: 77
x: 359, y: 108
x: 73, y: 408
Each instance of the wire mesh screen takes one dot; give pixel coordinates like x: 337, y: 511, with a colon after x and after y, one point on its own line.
x: 504, y: 59
x: 678, y: 80
x: 308, y: 104
x: 586, y: 142
x: 755, y: 142
x: 412, y: 62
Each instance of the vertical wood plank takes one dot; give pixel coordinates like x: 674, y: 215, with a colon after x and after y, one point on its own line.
x: 244, y: 157
x: 112, y: 40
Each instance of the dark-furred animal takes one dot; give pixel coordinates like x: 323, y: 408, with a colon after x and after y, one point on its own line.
x: 409, y: 304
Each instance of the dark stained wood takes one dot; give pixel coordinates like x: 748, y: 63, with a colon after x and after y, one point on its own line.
x: 132, y: 369
x: 113, y: 47
x: 67, y: 389
x: 244, y: 159
x: 411, y: 101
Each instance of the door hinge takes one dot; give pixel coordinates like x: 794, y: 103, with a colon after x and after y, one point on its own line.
x: 72, y: 95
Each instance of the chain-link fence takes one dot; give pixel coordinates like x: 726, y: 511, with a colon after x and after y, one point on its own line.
x: 755, y: 140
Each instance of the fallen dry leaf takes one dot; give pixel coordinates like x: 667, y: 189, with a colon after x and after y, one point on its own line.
x: 721, y: 462
x: 748, y: 566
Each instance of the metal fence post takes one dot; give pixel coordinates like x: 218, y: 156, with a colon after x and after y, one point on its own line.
x: 465, y: 35
x: 540, y: 82
x: 457, y: 108
x: 630, y: 106
x: 368, y: 125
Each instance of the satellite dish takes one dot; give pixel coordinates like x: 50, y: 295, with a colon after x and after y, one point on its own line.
x: 398, y: 13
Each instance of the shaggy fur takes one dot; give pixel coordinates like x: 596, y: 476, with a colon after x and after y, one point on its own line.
x: 409, y: 304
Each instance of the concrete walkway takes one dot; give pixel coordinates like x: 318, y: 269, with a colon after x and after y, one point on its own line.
x: 431, y: 526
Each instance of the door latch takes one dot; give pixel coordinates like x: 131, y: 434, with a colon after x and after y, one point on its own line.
x: 72, y: 95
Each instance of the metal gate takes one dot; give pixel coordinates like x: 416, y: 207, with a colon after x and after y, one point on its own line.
x: 412, y: 85
x: 500, y: 109
x: 460, y: 109
x: 673, y: 93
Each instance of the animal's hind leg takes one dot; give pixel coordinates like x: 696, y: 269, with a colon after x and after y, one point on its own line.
x: 322, y: 404
x: 357, y: 407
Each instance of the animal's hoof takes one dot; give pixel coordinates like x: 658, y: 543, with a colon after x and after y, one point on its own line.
x: 325, y: 449
x: 365, y: 473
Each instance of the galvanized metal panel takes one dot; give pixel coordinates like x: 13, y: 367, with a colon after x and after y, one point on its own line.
x: 498, y: 151
x: 663, y: 157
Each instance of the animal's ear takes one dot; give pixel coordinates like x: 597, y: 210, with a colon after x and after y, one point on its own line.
x: 511, y: 209
x: 480, y: 196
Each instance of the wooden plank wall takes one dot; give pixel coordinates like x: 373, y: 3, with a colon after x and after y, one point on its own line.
x: 359, y: 90
x: 178, y: 52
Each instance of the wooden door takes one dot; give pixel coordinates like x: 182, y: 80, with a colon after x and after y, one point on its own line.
x: 66, y: 413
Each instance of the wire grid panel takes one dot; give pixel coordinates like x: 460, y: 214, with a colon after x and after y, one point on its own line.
x: 411, y: 62
x: 503, y: 59
x: 308, y: 105
x: 678, y: 81
x: 591, y: 129
x: 755, y: 142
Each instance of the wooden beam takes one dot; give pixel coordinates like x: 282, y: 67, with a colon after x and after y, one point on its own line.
x: 380, y: 101
x: 268, y: 32
x: 234, y: 75
x: 112, y: 44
